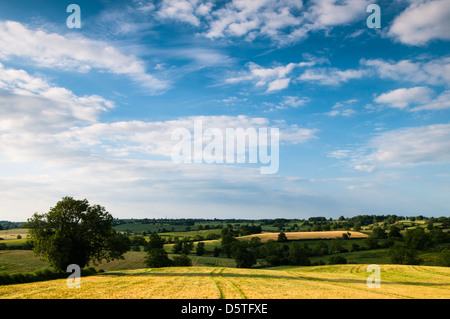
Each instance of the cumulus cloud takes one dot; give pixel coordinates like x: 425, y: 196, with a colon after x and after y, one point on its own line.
x: 404, y: 97
x: 422, y: 22
x: 415, y: 99
x: 281, y: 21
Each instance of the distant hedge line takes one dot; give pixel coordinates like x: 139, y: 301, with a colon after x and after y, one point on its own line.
x: 41, y: 275
x: 24, y: 246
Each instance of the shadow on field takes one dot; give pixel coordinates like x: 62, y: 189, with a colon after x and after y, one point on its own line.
x: 271, y: 276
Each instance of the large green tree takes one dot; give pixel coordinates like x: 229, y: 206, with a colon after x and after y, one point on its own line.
x: 75, y: 232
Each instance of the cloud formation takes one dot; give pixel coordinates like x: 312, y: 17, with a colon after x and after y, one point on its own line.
x: 78, y: 54
x: 422, y: 22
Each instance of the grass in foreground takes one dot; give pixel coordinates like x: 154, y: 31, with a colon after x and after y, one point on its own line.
x: 321, y: 282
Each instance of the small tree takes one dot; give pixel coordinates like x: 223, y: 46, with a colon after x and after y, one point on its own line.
x: 444, y: 257
x: 394, y: 232
x: 187, y: 246
x: 379, y: 233
x: 401, y: 254
x: 371, y: 242
x: 227, y: 240
x: 200, y: 251
x: 321, y: 248
x: 298, y: 255
x: 155, y: 241
x: 182, y: 261
x: 156, y: 258
x: 243, y: 254
x: 282, y: 237
x: 177, y: 247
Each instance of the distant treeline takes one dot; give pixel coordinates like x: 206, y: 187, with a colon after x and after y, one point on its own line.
x: 364, y: 220
x: 318, y: 223
x: 4, y: 224
x: 283, y: 224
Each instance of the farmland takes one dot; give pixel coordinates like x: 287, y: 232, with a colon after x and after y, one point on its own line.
x: 329, y: 281
x: 220, y: 276
x: 306, y: 235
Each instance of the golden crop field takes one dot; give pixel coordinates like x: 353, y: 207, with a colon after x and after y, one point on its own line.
x: 307, y: 235
x: 8, y: 234
x: 288, y: 282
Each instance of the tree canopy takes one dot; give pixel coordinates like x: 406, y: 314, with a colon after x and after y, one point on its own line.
x: 75, y: 232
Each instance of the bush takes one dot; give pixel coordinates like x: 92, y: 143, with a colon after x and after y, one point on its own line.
x: 273, y: 260
x: 444, y: 257
x: 182, y: 261
x: 200, y: 251
x: 243, y: 254
x: 156, y: 258
x: 298, y: 255
x: 401, y: 254
x: 282, y: 237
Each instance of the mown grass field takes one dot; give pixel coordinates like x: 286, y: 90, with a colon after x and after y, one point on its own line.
x: 320, y: 282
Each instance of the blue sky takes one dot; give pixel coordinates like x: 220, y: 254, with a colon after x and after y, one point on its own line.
x: 363, y: 114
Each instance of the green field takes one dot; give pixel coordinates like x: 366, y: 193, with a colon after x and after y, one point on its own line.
x: 331, y: 281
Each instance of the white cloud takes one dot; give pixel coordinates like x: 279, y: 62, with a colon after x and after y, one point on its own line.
x: 182, y: 10
x: 412, y: 146
x: 422, y: 22
x: 281, y: 21
x: 254, y: 18
x: 430, y: 71
x: 275, y: 78
x: 441, y: 102
x: 415, y: 99
x: 294, y: 101
x: 328, y: 13
x: 103, y: 161
x: 330, y: 76
x: 278, y: 84
x: 402, y: 98
x: 401, y: 148
x: 137, y: 138
x: 79, y: 54
x: 342, y: 109
x: 34, y: 104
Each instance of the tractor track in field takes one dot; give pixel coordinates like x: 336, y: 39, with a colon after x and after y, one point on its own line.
x: 346, y: 286
x: 239, y: 291
x: 224, y: 286
x: 221, y: 296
